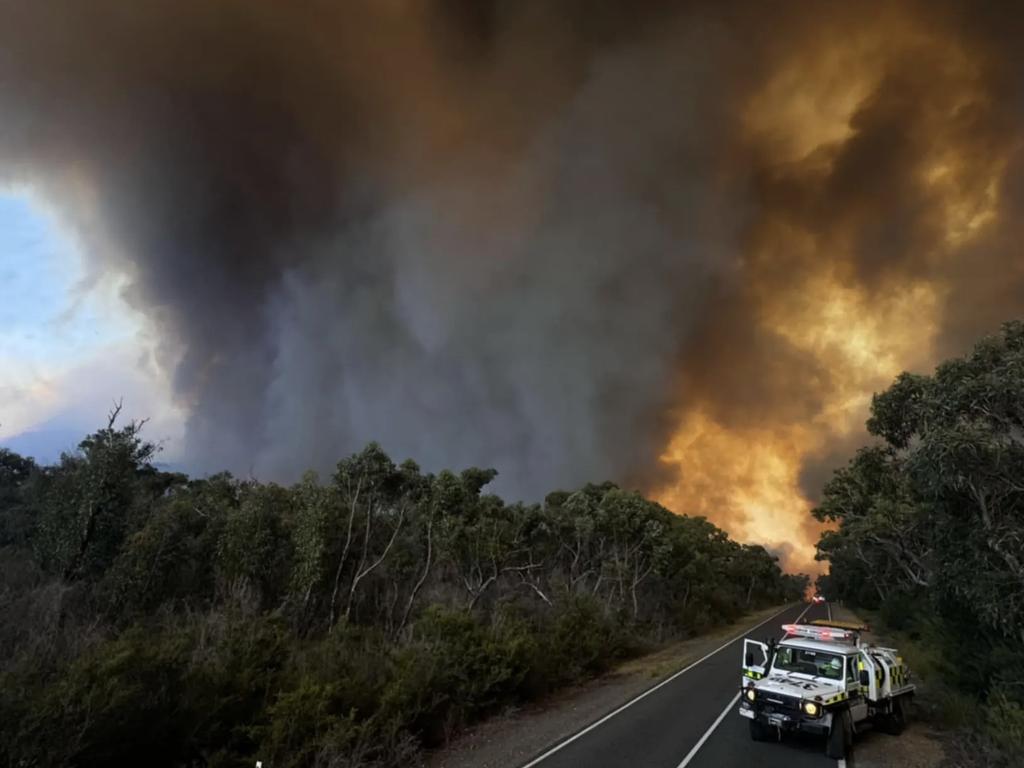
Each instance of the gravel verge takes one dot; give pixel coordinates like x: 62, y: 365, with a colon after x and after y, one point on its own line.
x: 919, y: 746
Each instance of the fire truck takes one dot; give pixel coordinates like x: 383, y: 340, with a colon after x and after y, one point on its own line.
x: 820, y: 678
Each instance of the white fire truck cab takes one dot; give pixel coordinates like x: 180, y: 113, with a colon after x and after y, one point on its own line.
x: 820, y: 678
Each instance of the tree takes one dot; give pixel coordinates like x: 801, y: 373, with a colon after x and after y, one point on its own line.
x: 252, y: 552
x: 883, y: 535
x: 929, y: 524
x: 16, y: 473
x: 961, y: 433
x: 345, y: 622
x: 90, y: 501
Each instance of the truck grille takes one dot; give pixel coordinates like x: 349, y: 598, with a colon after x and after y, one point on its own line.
x: 774, y: 703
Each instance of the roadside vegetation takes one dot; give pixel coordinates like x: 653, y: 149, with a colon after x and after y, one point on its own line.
x: 151, y: 619
x: 929, y: 537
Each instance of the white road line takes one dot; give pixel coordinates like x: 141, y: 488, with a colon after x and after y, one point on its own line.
x: 707, y: 734
x: 842, y: 761
x: 649, y: 691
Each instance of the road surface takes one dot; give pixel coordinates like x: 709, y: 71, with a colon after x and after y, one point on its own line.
x: 690, y: 720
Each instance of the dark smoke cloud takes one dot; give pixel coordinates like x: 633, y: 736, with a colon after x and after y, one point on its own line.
x: 526, y: 235
x: 453, y: 230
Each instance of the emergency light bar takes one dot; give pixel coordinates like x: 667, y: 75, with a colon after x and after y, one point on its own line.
x: 825, y: 634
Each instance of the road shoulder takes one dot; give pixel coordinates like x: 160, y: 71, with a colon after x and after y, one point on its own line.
x: 509, y: 740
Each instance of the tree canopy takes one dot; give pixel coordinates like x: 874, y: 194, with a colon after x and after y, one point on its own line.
x: 929, y: 521
x: 150, y: 618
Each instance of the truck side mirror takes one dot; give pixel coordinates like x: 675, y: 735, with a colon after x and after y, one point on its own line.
x: 750, y: 659
x: 865, y: 678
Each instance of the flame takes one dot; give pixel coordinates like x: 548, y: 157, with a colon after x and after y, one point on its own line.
x: 862, y: 333
x: 749, y: 479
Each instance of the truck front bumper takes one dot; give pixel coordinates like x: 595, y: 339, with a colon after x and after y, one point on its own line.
x: 786, y: 721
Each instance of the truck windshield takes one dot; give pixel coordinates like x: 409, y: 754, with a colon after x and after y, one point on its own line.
x: 809, y: 662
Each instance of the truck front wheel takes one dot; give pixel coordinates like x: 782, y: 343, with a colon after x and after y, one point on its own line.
x: 840, y: 736
x: 758, y: 731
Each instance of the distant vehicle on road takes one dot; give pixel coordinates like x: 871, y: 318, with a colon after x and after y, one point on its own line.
x: 817, y: 599
x: 821, y: 679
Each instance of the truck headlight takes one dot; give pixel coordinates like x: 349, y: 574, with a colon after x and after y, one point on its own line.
x: 811, y: 708
x: 751, y: 694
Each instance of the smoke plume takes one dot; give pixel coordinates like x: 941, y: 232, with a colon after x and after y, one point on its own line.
x: 678, y: 247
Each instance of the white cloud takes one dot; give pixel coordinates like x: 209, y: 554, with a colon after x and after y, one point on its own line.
x: 69, y: 345
x: 56, y: 410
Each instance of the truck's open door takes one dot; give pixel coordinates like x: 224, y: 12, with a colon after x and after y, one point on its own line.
x: 755, y: 660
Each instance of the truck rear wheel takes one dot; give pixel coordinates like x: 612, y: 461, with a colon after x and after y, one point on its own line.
x: 896, y: 720
x: 840, y: 736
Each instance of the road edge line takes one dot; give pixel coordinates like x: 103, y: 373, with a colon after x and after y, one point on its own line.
x: 561, y: 745
x: 707, y: 734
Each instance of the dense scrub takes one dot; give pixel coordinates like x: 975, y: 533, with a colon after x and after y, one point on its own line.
x: 931, y: 533
x: 150, y: 619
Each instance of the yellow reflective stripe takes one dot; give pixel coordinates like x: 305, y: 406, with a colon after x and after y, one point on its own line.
x: 899, y: 675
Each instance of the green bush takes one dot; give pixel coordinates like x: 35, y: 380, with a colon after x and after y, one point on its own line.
x: 1005, y: 724
x: 454, y: 669
x: 146, y: 619
x: 116, y: 704
x: 302, y: 720
x: 696, y: 619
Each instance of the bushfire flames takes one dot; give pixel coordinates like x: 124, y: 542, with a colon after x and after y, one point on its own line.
x: 807, y: 125
x: 673, y: 245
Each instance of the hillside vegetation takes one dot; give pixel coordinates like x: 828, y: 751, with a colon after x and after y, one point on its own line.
x: 930, y: 533
x: 150, y: 619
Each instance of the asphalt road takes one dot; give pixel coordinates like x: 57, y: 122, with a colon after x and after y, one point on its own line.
x: 690, y: 721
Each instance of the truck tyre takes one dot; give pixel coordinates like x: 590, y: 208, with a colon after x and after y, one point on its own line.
x: 840, y: 736
x: 757, y: 731
x: 896, y: 720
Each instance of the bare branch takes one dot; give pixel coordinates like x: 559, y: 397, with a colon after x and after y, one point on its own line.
x: 114, y: 413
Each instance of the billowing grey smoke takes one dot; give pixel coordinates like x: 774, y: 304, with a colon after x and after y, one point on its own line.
x: 477, y: 237
x: 528, y: 311
x: 533, y: 234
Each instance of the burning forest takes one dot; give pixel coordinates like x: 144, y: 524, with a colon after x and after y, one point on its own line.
x: 678, y: 245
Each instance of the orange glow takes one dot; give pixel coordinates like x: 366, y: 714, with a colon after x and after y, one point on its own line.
x: 807, y: 103
x: 748, y: 480
x: 862, y: 333
x: 744, y: 480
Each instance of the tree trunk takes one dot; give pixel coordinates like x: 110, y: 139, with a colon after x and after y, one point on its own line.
x: 360, y: 574
x: 422, y: 579
x: 344, y: 555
